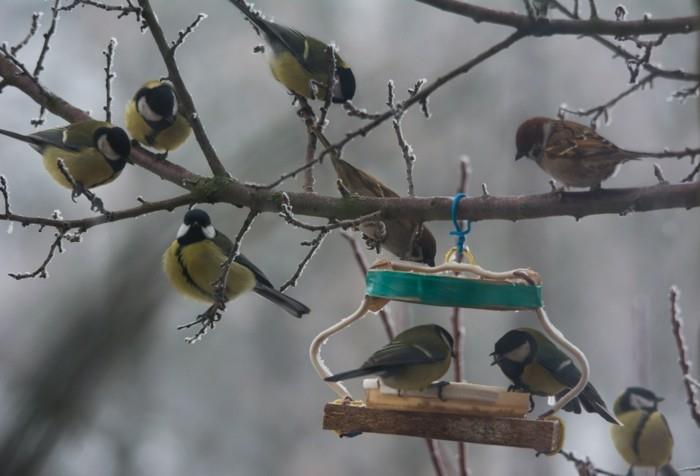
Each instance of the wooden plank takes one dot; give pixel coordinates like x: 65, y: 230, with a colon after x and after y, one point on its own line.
x: 460, y: 398
x: 542, y: 435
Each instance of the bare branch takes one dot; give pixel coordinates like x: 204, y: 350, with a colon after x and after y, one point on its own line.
x: 595, y: 26
x: 286, y: 213
x: 109, y: 76
x: 186, y: 101
x: 182, y: 34
x: 123, y: 11
x: 585, y: 468
x: 683, y: 359
x: 353, y: 111
x: 39, y: 67
x: 79, y: 189
x: 314, y: 245
x: 692, y: 174
x: 57, y: 245
x: 32, y: 31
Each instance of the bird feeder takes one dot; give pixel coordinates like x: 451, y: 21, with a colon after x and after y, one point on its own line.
x: 467, y: 412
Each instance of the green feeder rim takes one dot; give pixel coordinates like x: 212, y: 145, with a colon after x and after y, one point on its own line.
x: 452, y: 291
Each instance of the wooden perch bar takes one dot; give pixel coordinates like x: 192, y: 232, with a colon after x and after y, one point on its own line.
x: 541, y: 435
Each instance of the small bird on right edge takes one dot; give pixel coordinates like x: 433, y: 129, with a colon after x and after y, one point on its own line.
x: 413, y: 360
x: 573, y: 154
x: 407, y: 239
x: 534, y: 364
x: 645, y: 440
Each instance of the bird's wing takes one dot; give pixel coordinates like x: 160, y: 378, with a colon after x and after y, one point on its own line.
x: 570, y: 140
x: 556, y: 362
x: 80, y: 135
x: 226, y: 246
x: 360, y: 182
x: 55, y: 137
x: 396, y: 354
x: 294, y: 41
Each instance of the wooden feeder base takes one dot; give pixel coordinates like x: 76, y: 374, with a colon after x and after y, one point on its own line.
x: 544, y: 436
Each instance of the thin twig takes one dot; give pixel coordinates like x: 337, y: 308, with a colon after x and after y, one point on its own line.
x: 353, y: 111
x: 79, y: 189
x: 594, y: 10
x: 57, y: 245
x: 39, y: 67
x: 314, y: 245
x: 683, y: 358
x: 123, y: 10
x: 182, y: 34
x: 604, y: 109
x: 109, y: 76
x: 288, y: 215
x: 32, y: 31
x: 692, y: 174
x: 585, y: 468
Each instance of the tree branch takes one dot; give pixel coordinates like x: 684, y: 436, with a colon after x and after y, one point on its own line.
x: 184, y: 97
x: 683, y: 359
x: 594, y: 26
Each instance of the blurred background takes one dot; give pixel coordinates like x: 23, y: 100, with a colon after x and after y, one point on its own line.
x: 96, y: 380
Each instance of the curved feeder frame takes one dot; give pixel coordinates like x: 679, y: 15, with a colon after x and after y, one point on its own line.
x: 475, y: 416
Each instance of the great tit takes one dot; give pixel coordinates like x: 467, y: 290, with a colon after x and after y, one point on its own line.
x: 193, y: 264
x: 298, y: 61
x: 152, y: 117
x: 407, y: 239
x: 645, y: 439
x: 94, y: 152
x: 413, y: 360
x: 534, y: 364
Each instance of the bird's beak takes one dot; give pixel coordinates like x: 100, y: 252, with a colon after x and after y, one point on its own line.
x: 660, y: 399
x: 496, y: 358
x: 519, y: 156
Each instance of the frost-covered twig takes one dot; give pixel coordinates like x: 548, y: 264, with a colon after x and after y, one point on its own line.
x: 683, y: 359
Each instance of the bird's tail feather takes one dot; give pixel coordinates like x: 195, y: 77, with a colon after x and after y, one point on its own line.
x: 289, y: 304
x: 593, y: 403
x: 668, y: 470
x: 28, y: 139
x: 252, y: 15
x: 349, y: 374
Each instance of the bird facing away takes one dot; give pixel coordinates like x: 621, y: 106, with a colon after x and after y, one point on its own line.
x: 193, y: 264
x: 534, y: 364
x: 413, y: 360
x: 300, y: 62
x: 570, y: 152
x: 409, y: 240
x: 93, y: 152
x: 152, y: 117
x: 645, y: 439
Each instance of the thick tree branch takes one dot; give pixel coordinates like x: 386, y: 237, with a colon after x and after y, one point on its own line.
x: 225, y: 189
x: 595, y: 26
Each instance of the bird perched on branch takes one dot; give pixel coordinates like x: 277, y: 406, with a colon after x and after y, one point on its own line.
x: 94, y: 152
x: 193, y: 265
x: 300, y: 62
x: 534, y: 364
x: 413, y: 360
x: 409, y: 240
x: 152, y: 117
x: 645, y: 439
x: 573, y: 154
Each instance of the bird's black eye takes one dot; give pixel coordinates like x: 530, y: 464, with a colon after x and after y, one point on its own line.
x: 198, y: 216
x: 162, y: 100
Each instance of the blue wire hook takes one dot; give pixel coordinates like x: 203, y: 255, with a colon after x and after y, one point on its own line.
x: 458, y: 231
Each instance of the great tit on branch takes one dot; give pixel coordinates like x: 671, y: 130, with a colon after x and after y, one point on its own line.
x: 534, y: 364
x: 413, y: 360
x: 299, y: 61
x: 94, y: 152
x: 645, y: 439
x: 152, y: 117
x: 193, y: 264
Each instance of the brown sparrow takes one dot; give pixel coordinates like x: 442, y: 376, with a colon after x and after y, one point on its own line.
x: 407, y: 239
x: 570, y: 152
